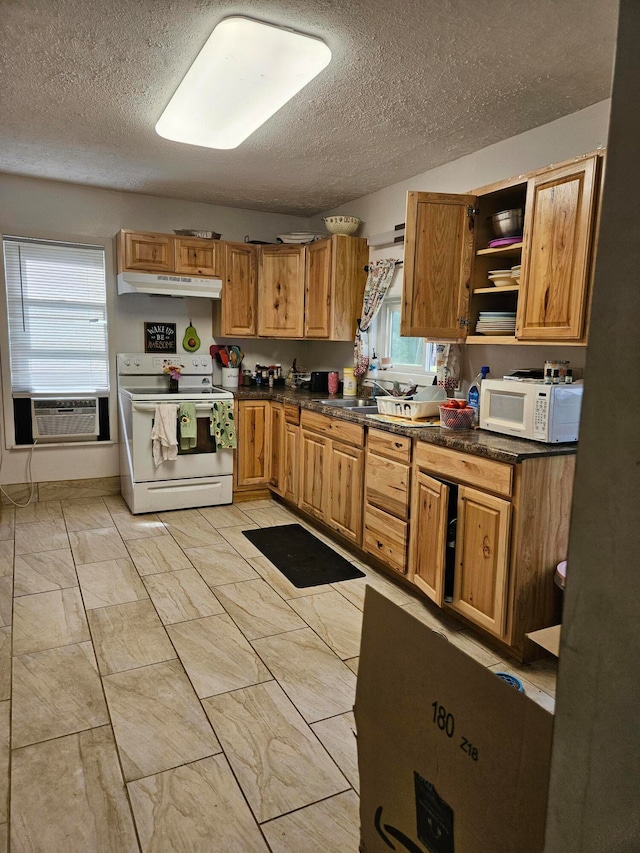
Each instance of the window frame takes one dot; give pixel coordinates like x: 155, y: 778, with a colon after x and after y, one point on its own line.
x: 379, y: 340
x: 107, y: 244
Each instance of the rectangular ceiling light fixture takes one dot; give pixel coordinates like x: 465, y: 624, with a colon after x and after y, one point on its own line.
x: 246, y: 72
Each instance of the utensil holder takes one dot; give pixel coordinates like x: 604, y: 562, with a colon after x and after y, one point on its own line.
x: 230, y: 377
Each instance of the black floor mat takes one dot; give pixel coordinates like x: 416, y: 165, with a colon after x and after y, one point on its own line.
x: 301, y: 557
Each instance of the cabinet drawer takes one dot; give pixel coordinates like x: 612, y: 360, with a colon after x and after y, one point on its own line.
x: 386, y: 538
x: 476, y: 470
x: 291, y: 414
x: 388, y: 485
x: 387, y: 444
x: 340, y: 430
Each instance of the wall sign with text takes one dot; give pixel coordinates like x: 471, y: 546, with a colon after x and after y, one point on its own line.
x: 159, y: 337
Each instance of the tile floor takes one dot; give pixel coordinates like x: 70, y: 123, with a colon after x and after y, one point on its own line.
x: 164, y: 688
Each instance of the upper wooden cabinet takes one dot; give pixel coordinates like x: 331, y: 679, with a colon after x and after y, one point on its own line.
x: 312, y: 291
x: 237, y: 312
x: 447, y: 257
x: 148, y: 251
x: 281, y: 291
x: 439, y: 241
x: 334, y: 286
x: 560, y: 213
x: 145, y: 251
x: 195, y: 256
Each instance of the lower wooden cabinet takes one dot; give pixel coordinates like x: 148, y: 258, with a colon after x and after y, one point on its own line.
x: 481, y: 565
x: 332, y: 473
x: 388, y: 477
x: 477, y: 536
x: 253, y: 418
x: 470, y: 572
x: 344, y: 501
x: 276, y: 468
x: 291, y: 463
x: 314, y: 487
x: 428, y: 535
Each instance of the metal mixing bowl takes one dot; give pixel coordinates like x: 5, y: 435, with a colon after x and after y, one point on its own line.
x: 507, y: 223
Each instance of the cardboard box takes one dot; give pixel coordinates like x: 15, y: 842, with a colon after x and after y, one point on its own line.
x: 452, y: 759
x: 547, y: 638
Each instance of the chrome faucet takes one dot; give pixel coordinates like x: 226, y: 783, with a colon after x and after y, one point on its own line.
x: 375, y: 384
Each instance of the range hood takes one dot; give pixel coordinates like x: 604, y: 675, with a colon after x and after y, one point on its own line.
x: 164, y: 284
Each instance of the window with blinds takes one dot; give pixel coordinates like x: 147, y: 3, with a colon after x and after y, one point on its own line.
x: 56, y: 301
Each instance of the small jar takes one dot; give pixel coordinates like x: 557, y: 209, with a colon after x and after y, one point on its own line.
x: 350, y: 386
x: 333, y: 381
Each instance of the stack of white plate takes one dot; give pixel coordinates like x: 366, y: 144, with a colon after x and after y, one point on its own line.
x: 299, y: 237
x: 500, y: 277
x: 496, y: 323
x: 515, y: 273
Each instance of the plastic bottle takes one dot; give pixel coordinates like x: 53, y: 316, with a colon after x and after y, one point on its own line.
x: 350, y: 386
x: 473, y: 397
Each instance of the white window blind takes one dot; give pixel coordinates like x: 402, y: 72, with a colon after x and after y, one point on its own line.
x: 56, y: 301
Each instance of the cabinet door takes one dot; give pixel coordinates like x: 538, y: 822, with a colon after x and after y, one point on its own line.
x: 290, y: 463
x: 482, y: 550
x: 317, y: 316
x: 556, y: 254
x: 313, y: 476
x: 253, y: 443
x: 195, y: 256
x: 276, y: 470
x: 239, y: 294
x: 439, y: 240
x: 281, y: 292
x: 428, y: 535
x: 345, y: 500
x: 146, y: 251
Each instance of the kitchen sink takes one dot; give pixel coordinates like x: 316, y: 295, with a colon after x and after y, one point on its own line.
x: 346, y: 402
x: 361, y: 406
x: 362, y: 410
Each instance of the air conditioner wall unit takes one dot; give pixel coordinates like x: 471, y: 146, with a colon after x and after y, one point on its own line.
x: 59, y: 419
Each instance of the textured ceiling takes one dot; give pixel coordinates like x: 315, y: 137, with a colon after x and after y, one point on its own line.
x: 412, y: 84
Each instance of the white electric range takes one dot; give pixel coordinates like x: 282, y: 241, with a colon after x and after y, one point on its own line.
x: 201, y: 475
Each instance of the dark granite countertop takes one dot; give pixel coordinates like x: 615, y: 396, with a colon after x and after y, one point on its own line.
x: 491, y: 445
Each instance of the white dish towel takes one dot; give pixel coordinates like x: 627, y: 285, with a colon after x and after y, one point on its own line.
x: 164, y: 433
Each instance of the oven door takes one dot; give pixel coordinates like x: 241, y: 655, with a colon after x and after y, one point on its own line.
x: 203, y: 460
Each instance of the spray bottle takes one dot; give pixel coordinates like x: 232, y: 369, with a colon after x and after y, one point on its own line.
x: 473, y: 397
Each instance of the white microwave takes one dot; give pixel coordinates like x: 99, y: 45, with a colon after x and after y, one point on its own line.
x: 532, y: 410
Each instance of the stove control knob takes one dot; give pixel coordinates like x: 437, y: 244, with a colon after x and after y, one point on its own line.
x: 195, y: 362
x: 127, y: 362
x: 136, y: 361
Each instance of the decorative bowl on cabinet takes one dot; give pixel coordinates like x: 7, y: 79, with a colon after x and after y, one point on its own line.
x: 342, y: 224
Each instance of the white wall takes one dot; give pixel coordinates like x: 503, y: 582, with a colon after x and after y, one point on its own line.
x: 49, y: 209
